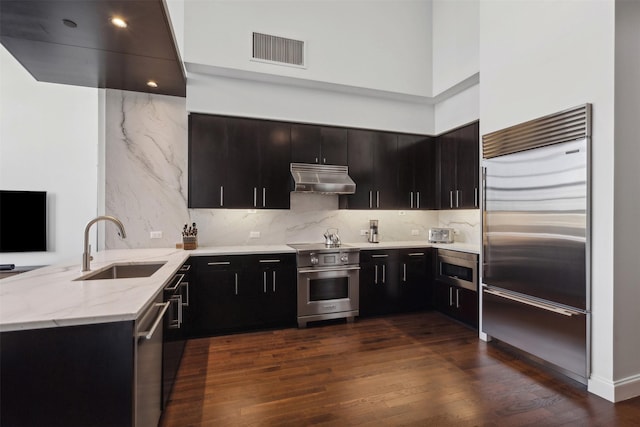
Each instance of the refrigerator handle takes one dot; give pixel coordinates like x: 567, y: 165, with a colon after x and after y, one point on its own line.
x: 484, y: 188
x: 558, y: 310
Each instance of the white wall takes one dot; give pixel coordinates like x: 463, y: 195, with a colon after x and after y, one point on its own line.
x: 49, y: 142
x: 537, y: 58
x: 457, y: 110
x: 626, y: 257
x: 383, y: 45
x: 456, y: 45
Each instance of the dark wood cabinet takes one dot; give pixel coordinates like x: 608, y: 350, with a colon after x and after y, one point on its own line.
x: 230, y: 293
x: 318, y: 144
x: 417, y: 169
x: 459, y: 168
x: 208, y: 143
x: 457, y: 302
x: 394, y: 281
x: 238, y: 163
x: 373, y: 165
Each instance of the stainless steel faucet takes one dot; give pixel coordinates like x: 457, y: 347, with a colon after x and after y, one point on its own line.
x: 86, y: 255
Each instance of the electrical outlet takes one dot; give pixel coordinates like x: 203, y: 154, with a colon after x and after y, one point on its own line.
x: 415, y: 232
x: 155, y: 235
x: 402, y: 213
x: 364, y: 232
x: 254, y: 234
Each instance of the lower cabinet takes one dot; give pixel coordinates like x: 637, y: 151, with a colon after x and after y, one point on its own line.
x: 457, y: 302
x: 242, y: 291
x: 394, y: 281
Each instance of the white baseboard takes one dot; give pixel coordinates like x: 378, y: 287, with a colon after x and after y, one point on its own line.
x: 615, y: 391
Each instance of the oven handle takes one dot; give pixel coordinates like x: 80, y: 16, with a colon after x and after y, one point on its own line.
x: 322, y: 270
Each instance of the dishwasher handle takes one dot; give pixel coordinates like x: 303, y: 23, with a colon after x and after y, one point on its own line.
x: 148, y: 334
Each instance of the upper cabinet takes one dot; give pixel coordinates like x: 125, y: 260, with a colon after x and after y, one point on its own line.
x: 238, y: 163
x: 417, y: 172
x: 459, y: 168
x: 373, y: 165
x: 318, y: 145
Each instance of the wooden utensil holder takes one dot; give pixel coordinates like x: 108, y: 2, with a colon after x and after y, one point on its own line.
x: 189, y: 242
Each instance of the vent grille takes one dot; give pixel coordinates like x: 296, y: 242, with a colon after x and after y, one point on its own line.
x: 278, y: 49
x: 568, y: 125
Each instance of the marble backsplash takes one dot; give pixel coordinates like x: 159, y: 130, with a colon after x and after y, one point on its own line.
x: 146, y: 187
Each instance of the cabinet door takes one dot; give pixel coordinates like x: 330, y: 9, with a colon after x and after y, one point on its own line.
x: 379, y: 284
x: 243, y: 164
x: 305, y: 143
x: 278, y: 281
x: 275, y: 158
x: 207, y: 160
x: 467, y: 163
x: 385, y: 167
x: 467, y: 306
x: 333, y: 146
x: 425, y: 173
x: 447, y: 149
x: 360, y: 161
x: 415, y: 282
x: 216, y: 296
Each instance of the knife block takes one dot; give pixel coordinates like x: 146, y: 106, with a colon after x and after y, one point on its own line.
x: 189, y: 242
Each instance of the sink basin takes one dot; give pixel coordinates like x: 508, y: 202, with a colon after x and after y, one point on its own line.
x: 124, y: 271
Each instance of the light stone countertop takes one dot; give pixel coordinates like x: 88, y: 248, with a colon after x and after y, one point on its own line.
x: 50, y: 297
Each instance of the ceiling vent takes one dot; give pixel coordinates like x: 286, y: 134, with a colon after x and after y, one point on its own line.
x: 278, y: 50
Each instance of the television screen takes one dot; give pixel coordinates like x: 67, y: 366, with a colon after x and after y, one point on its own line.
x: 23, y: 221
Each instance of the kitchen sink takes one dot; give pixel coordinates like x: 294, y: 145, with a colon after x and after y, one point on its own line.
x: 124, y: 271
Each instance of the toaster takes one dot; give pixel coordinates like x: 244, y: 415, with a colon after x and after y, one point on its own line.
x: 441, y: 235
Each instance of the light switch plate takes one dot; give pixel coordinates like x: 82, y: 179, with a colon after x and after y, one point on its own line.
x: 415, y: 232
x: 155, y: 235
x: 254, y: 234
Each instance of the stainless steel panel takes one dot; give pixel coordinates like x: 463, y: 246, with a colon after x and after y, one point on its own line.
x: 535, y: 223
x: 555, y: 337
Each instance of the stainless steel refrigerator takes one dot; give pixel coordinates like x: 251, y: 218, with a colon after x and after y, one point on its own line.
x: 535, y: 279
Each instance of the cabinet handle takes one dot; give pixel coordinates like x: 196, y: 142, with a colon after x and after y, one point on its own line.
x: 416, y: 254
x: 186, y: 285
x: 375, y: 280
x: 317, y: 160
x: 450, y: 198
x: 264, y: 197
x: 370, y: 199
x: 221, y: 195
x: 274, y: 281
x: 264, y: 282
x: 457, y: 198
x: 457, y: 298
x: 236, y: 274
x: 450, y: 296
x: 255, y: 197
x: 384, y: 273
x: 324, y: 160
x: 418, y: 199
x: 475, y: 197
x: 411, y: 204
x: 266, y: 261
x: 377, y: 199
x: 219, y: 263
x: 380, y: 256
x: 404, y: 271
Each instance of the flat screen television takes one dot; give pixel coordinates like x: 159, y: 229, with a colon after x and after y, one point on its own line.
x: 23, y: 221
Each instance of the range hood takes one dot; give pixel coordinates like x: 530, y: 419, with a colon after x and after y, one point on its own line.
x: 325, y: 179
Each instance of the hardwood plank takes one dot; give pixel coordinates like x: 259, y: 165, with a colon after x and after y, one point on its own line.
x: 416, y: 369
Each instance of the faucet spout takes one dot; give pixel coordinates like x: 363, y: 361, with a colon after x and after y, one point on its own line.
x: 86, y: 254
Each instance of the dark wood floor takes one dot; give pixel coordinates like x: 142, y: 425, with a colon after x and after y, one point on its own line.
x: 418, y: 370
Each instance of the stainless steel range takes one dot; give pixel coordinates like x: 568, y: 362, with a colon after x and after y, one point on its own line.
x: 328, y: 282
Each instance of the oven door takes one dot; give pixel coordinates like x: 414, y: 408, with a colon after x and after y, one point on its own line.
x: 328, y: 290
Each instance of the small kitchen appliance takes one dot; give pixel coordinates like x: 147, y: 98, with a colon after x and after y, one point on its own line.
x: 441, y: 235
x: 373, y: 231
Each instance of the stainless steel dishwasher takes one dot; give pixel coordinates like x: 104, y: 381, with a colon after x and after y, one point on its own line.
x: 148, y: 364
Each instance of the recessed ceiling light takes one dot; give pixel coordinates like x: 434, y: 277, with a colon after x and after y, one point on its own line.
x: 119, y: 22
x: 69, y: 23
x: 152, y: 84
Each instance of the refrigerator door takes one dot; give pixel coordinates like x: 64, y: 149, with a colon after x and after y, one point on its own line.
x: 535, y: 223
x: 554, y: 334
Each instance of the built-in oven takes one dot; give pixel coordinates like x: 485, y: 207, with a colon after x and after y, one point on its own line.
x: 457, y: 268
x: 328, y: 283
